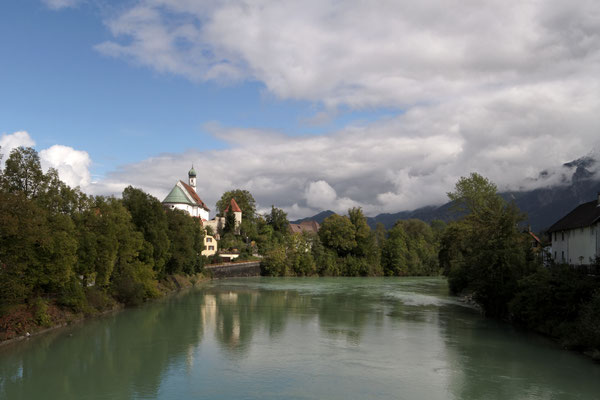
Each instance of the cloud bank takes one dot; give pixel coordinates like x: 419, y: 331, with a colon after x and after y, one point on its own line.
x: 505, y: 88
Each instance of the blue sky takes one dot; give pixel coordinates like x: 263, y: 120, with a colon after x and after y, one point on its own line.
x: 64, y: 91
x: 312, y: 106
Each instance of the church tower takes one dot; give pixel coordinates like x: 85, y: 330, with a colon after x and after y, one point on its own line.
x: 192, y: 178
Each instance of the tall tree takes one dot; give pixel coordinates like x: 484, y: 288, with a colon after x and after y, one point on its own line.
x: 187, y: 242
x: 148, y: 215
x: 23, y: 172
x: 485, y: 252
x: 338, y: 233
x: 277, y: 219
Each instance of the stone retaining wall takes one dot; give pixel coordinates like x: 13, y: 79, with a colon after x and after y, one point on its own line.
x: 234, y: 270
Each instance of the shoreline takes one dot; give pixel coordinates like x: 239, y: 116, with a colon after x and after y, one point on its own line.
x: 170, y: 286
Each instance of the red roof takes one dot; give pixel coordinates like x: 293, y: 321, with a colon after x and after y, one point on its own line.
x: 194, y: 195
x: 305, y: 226
x: 535, y: 237
x: 234, y: 206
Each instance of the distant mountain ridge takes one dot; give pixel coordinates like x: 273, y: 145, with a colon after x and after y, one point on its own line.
x: 543, y: 206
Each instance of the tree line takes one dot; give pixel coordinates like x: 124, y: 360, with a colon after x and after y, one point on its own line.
x: 86, y: 251
x: 346, y: 246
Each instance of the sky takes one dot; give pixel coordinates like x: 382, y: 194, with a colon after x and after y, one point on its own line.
x: 310, y: 105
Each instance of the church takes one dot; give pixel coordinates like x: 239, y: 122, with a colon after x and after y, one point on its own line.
x: 184, y: 197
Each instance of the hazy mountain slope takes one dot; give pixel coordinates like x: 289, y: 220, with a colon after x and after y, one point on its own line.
x: 543, y: 206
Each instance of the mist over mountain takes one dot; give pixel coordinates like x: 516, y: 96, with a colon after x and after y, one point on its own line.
x: 573, y: 183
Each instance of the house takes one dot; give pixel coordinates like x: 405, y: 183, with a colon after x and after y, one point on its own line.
x: 210, y: 246
x: 576, y: 236
x: 305, y: 226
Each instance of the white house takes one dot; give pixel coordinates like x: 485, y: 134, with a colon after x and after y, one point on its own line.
x: 576, y: 237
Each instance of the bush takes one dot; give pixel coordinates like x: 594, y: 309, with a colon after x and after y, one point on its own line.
x: 588, y: 324
x: 275, y: 262
x: 98, y: 299
x: 72, y: 296
x: 40, y: 312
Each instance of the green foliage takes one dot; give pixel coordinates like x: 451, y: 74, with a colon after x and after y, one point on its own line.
x: 588, y: 324
x: 394, y: 254
x: 338, y: 233
x: 23, y: 172
x: 475, y: 195
x: 150, y: 219
x: 550, y: 299
x: 411, y: 249
x: 243, y: 198
x: 230, y: 224
x: 278, y: 221
x: 80, y: 251
x: 187, y: 242
x: 40, y: 312
x: 275, y: 262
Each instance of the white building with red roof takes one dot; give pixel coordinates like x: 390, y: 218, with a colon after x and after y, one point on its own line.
x: 184, y: 197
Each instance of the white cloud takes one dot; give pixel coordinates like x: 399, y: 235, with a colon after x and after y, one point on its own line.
x: 72, y: 165
x: 361, y: 54
x: 11, y: 141
x: 60, y: 4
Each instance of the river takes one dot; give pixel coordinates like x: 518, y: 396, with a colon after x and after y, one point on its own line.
x: 295, y: 338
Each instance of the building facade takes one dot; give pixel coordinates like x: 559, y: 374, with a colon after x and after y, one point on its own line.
x: 576, y: 236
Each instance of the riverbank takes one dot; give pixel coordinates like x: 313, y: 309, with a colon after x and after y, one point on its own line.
x: 43, y: 315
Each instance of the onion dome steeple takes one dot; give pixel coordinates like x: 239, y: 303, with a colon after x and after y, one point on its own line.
x: 192, y: 177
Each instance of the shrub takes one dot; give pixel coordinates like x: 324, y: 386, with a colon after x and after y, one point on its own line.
x: 40, y: 313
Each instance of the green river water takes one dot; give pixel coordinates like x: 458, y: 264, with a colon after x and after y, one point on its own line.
x: 314, y: 338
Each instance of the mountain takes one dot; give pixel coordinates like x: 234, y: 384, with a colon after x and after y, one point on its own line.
x: 543, y: 206
x: 318, y: 217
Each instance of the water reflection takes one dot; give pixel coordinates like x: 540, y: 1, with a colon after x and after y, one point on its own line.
x: 297, y: 338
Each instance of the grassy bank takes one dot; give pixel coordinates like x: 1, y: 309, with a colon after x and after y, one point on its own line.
x: 40, y: 315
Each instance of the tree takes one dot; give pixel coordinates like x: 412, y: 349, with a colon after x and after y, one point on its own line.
x: 23, y: 172
x: 338, y: 233
x: 362, y: 232
x: 277, y: 219
x: 230, y: 223
x: 484, y: 252
x: 395, y: 252
x: 187, y: 242
x: 149, y: 217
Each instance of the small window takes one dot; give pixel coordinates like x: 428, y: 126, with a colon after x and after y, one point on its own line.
x: 555, y: 252
x: 205, y: 247
x: 211, y: 247
x: 208, y: 240
x: 563, y: 255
